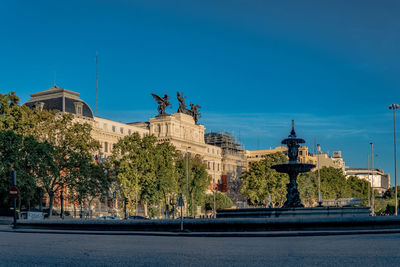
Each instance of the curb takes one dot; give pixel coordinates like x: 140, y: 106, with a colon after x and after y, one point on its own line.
x: 210, y: 234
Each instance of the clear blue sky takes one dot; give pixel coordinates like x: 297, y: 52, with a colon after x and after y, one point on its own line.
x: 333, y: 66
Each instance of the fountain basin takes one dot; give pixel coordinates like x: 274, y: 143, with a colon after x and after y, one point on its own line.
x: 293, y: 167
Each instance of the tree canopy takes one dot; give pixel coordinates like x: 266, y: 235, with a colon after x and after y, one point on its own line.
x: 260, y: 181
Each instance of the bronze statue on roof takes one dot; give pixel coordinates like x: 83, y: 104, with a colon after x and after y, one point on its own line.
x: 194, y: 110
x: 182, y: 106
x: 163, y: 103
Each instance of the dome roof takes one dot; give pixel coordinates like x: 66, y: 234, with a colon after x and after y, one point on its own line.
x: 61, y: 99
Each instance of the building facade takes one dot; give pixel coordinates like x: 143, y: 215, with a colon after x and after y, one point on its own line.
x: 321, y: 159
x: 376, y: 177
x: 179, y: 129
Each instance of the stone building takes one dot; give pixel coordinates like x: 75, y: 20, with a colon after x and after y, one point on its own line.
x: 233, y: 163
x: 188, y: 137
x: 179, y: 129
x: 376, y: 177
x: 324, y: 159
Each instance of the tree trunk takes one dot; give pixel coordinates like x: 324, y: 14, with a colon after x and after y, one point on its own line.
x: 90, y: 208
x: 40, y: 201
x: 51, y: 199
x: 19, y: 205
x: 145, y: 209
x: 160, y: 210
x: 193, y: 211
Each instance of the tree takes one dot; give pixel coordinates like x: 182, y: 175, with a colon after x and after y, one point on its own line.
x: 308, y: 188
x: 358, y: 187
x: 222, y: 201
x: 153, y: 173
x: 390, y: 193
x: 133, y: 160
x: 87, y: 181
x: 198, y: 180
x: 166, y: 173
x: 69, y: 138
x: 30, y: 158
x: 54, y: 138
x: 334, y: 184
x: 12, y: 156
x: 260, y: 181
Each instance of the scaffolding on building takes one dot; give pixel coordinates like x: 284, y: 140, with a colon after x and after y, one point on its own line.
x: 225, y: 141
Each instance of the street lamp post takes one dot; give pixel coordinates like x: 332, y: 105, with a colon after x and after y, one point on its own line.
x: 394, y: 107
x: 187, y: 181
x: 319, y: 178
x: 369, y: 184
x: 62, y: 204
x: 214, y: 197
x: 372, y: 182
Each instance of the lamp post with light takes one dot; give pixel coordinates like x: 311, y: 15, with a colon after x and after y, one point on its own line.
x: 187, y: 181
x: 372, y: 182
x: 394, y: 107
x: 319, y: 178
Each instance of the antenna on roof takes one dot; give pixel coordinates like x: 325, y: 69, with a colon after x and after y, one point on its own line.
x: 55, y: 75
x: 97, y: 80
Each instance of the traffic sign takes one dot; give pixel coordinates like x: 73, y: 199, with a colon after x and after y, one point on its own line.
x: 180, y: 201
x: 13, y: 192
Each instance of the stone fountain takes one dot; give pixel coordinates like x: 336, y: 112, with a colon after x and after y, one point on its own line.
x: 293, y: 208
x: 293, y: 168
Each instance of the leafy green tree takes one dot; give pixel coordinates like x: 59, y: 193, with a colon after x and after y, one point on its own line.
x: 155, y: 173
x: 30, y: 158
x: 308, y: 188
x: 334, y: 184
x: 57, y: 136
x: 133, y: 160
x: 12, y: 156
x: 260, y: 181
x: 69, y: 138
x: 166, y: 172
x: 198, y: 178
x: 358, y: 187
x: 222, y: 201
x: 390, y: 193
x: 88, y: 181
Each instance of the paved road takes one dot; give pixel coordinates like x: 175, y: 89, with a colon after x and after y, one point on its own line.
x: 44, y: 249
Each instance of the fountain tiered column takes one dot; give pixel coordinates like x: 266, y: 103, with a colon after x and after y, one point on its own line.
x: 293, y: 168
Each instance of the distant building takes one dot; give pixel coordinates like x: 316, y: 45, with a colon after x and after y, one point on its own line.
x: 376, y: 177
x: 305, y: 156
x: 233, y: 162
x: 257, y: 155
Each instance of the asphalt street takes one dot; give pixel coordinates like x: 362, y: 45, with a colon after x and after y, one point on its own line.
x: 55, y: 249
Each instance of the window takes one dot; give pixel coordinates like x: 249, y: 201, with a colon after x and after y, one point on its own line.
x: 113, y: 128
x: 105, y: 126
x: 208, y: 165
x: 129, y: 132
x: 106, y: 147
x: 121, y: 130
x: 78, y: 108
x: 39, y: 105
